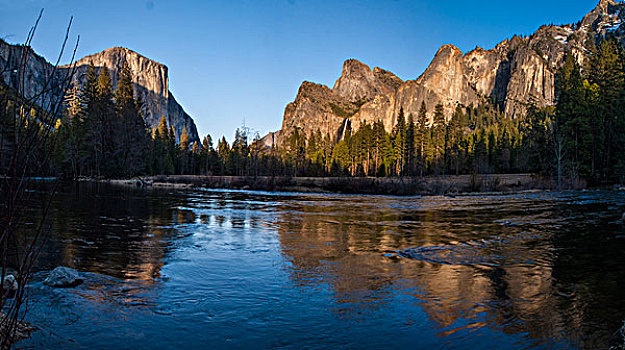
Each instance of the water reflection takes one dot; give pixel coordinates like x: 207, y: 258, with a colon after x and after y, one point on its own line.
x: 109, y: 231
x: 475, y: 265
x: 525, y: 270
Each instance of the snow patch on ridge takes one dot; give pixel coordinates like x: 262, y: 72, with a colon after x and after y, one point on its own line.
x: 561, y: 38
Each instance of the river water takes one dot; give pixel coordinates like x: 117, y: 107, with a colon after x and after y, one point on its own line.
x: 241, y: 269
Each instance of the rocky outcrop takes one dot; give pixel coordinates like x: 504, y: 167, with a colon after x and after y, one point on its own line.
x: 601, y: 14
x: 269, y: 140
x: 514, y: 74
x: 150, y: 78
x: 317, y: 107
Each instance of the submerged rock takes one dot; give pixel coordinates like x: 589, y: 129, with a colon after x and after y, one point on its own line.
x: 623, y: 218
x: 63, y: 277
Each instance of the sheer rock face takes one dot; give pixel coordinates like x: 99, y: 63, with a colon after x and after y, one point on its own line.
x: 517, y: 72
x: 150, y: 78
x: 36, y: 74
x: 444, y: 81
x: 318, y: 107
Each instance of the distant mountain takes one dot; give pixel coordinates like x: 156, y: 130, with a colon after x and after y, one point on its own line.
x: 517, y: 72
x: 150, y: 78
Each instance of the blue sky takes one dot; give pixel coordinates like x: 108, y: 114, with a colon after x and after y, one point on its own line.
x: 236, y: 60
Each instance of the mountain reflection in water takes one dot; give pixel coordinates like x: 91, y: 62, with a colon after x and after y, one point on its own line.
x: 236, y: 269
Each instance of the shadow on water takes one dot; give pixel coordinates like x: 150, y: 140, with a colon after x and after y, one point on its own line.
x: 266, y: 270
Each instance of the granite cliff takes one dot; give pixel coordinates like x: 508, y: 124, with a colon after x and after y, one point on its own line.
x: 150, y: 78
x: 515, y: 73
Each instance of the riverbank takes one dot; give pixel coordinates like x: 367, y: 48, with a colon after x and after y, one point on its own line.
x: 432, y: 185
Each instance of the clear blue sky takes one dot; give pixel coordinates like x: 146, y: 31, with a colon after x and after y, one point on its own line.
x: 231, y: 60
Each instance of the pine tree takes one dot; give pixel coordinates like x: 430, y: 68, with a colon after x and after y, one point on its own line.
x: 133, y: 138
x: 163, y: 129
x: 209, y: 155
x: 438, y: 132
x: 453, y: 139
x: 92, y: 140
x: 606, y: 70
x: 572, y: 113
x: 410, y: 145
x: 105, y: 112
x: 240, y: 151
x: 163, y: 161
x: 223, y: 151
x: 72, y: 127
x: 422, y: 132
x: 399, y: 143
x: 184, y: 139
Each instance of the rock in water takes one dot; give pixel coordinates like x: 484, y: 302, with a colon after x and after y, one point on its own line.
x: 9, y: 284
x: 63, y: 277
x: 623, y: 218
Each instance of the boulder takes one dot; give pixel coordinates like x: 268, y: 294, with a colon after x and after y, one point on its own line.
x: 63, y: 277
x: 9, y: 284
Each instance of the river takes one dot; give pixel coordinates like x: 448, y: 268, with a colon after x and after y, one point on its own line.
x: 240, y: 269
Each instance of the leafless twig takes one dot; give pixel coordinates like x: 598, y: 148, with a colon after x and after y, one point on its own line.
x: 25, y: 147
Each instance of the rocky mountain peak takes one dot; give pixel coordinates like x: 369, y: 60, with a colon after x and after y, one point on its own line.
x: 147, y: 73
x: 603, y: 10
x: 445, y: 65
x: 151, y: 83
x: 353, y: 67
x: 358, y: 83
x: 603, y: 4
x: 310, y: 90
x: 447, y: 52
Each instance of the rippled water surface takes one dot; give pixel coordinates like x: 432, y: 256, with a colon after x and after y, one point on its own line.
x: 234, y: 269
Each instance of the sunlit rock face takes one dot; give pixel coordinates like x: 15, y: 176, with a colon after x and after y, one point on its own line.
x: 318, y: 107
x: 514, y: 74
x: 150, y: 78
x: 359, y: 83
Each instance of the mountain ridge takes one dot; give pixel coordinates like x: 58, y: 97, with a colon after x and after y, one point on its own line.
x: 517, y: 72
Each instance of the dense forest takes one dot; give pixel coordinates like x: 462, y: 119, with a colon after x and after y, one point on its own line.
x: 102, y: 134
